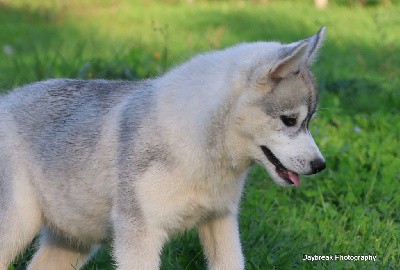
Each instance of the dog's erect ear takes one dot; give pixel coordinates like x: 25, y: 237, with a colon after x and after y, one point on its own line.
x: 292, y: 56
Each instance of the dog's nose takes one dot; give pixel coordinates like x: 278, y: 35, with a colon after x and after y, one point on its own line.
x: 317, y: 165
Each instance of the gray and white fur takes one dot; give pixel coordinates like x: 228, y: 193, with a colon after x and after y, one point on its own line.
x: 86, y: 162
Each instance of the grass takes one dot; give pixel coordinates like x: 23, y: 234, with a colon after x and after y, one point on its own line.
x: 350, y: 208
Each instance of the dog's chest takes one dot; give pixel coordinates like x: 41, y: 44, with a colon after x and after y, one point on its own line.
x: 190, y: 203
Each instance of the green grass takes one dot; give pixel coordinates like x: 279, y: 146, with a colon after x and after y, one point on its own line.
x: 350, y: 208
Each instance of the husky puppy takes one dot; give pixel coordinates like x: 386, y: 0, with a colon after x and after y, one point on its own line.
x: 90, y: 161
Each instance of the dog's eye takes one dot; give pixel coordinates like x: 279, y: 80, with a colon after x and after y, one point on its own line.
x: 289, y: 120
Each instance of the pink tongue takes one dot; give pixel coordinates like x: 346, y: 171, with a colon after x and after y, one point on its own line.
x: 294, y: 178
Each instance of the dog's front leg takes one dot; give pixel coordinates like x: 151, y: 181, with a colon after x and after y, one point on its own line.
x: 221, y: 242
x: 137, y: 246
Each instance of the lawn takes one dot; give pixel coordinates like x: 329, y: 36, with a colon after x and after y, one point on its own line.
x: 352, y: 208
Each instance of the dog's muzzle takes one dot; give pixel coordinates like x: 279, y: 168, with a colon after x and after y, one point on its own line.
x: 292, y: 178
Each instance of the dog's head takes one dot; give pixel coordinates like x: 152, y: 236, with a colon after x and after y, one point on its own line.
x: 275, y: 109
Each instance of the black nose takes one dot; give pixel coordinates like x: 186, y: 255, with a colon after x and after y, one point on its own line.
x: 317, y: 165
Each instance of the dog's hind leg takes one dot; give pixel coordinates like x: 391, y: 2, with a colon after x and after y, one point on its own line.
x: 57, y: 252
x: 20, y: 214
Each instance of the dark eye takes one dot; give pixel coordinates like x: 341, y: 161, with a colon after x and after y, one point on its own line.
x: 289, y: 120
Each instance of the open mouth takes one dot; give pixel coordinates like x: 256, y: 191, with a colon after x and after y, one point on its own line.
x: 290, y: 177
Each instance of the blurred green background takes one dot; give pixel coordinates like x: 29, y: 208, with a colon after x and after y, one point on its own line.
x: 350, y: 208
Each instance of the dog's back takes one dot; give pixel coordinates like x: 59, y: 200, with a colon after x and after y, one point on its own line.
x: 61, y: 120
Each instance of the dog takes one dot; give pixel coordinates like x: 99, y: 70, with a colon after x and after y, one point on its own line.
x: 85, y: 162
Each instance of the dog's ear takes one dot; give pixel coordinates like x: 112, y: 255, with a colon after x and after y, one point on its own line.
x: 292, y: 56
